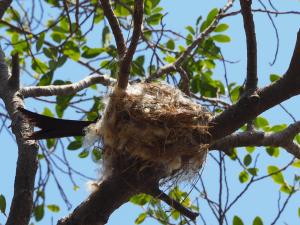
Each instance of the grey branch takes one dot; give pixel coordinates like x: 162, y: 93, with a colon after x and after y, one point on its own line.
x: 68, y: 89
x: 27, y: 150
x: 282, y: 139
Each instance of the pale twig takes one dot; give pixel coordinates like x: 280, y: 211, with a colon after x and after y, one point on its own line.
x: 282, y: 139
x: 68, y: 89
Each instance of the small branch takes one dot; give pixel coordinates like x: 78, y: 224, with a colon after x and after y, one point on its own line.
x: 4, y: 4
x: 125, y: 63
x: 157, y: 193
x: 214, y: 101
x: 262, y: 11
x: 115, y: 26
x: 172, y: 66
x: 68, y: 89
x: 282, y: 139
x: 249, y: 27
x: 184, y: 80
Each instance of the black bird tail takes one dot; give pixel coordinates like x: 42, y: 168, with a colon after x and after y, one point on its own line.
x: 52, y: 127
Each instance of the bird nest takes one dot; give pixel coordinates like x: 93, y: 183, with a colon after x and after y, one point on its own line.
x: 155, y: 123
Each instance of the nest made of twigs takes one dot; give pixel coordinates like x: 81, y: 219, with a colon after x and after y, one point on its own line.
x: 156, y: 123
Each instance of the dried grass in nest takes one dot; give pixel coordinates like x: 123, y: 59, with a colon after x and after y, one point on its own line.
x: 156, y: 123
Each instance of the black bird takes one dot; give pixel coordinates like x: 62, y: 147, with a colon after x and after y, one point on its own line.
x: 52, y: 127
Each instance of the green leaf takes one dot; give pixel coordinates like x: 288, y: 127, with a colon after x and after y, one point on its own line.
x: 278, y: 128
x: 277, y: 176
x: 233, y: 154
x: 170, y: 59
x: 74, y: 145
x: 58, y: 36
x: 175, y: 214
x: 274, y: 77
x: 154, y: 19
x: 92, y: 52
x: 38, y: 212
x: 250, y: 149
x: 273, y: 151
x: 96, y: 154
x: 62, y: 102
x: 46, y: 79
x: 53, y: 208
x: 247, y: 160
x: 39, y: 66
x: 235, y: 93
x: 141, y: 218
x: 170, y: 44
x: 237, y: 221
x: 47, y: 112
x: 222, y: 38
x: 209, y: 19
x: 258, y: 221
x: 140, y: 199
x: 253, y: 171
x: 40, y: 41
x: 221, y: 27
x: 83, y: 154
x: 288, y: 189
x: 299, y: 212
x: 261, y: 122
x: 190, y: 29
x: 72, y: 50
x: 296, y: 163
x: 244, y: 176
x: 2, y: 204
x: 50, y: 142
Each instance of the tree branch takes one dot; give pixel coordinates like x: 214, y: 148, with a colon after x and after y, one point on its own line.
x: 27, y: 151
x: 249, y: 107
x: 115, y: 26
x: 249, y: 27
x: 125, y: 63
x: 68, y: 89
x: 282, y: 139
x: 4, y: 4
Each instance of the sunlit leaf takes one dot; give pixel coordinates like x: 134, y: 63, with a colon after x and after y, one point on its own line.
x: 277, y: 176
x: 244, y: 176
x: 221, y: 27
x: 53, y: 208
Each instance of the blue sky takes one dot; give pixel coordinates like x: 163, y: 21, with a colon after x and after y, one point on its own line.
x: 260, y: 200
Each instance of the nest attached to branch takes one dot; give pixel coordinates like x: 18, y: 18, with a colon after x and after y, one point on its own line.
x: 155, y: 123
